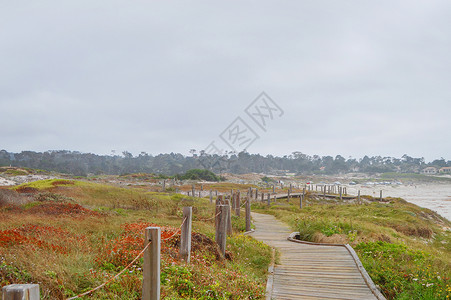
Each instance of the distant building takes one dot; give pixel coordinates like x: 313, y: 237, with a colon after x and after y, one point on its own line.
x: 429, y: 170
x: 445, y: 170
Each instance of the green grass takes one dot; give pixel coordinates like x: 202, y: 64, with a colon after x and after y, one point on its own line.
x: 15, y: 172
x: 404, y: 273
x: 41, y: 185
x: 414, y: 176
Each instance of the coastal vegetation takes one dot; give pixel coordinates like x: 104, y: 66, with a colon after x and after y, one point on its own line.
x: 70, y: 236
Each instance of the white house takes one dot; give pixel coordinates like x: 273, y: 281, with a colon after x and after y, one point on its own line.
x: 445, y: 170
x: 429, y: 170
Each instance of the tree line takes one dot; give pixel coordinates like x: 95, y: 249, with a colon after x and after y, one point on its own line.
x: 83, y: 164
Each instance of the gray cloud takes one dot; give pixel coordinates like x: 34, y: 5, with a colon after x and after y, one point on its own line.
x: 354, y: 77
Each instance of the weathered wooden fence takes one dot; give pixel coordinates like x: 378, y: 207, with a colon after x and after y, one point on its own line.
x: 152, y: 249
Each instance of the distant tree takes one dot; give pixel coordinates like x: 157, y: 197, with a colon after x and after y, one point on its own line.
x: 439, y: 163
x: 74, y: 162
x: 127, y: 154
x: 267, y: 179
x: 198, y: 174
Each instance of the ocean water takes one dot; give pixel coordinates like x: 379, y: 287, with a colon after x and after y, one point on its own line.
x: 436, y: 197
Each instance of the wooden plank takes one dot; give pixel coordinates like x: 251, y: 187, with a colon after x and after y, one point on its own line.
x: 303, y: 295
x: 311, y: 270
x: 327, y: 291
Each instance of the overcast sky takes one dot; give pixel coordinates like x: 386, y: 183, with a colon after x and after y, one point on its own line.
x: 349, y: 77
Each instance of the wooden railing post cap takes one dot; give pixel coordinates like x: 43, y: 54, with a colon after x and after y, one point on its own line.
x: 150, y: 229
x: 21, y: 292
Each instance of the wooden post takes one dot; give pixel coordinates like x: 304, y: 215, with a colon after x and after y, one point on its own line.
x: 269, y: 199
x: 201, y: 187
x: 219, y: 200
x: 211, y: 196
x: 221, y: 228
x: 291, y: 190
x: 273, y: 188
x: 232, y: 201
x: 263, y: 196
x: 289, y: 196
x: 238, y: 203
x: 341, y: 192
x: 324, y: 191
x: 192, y: 189
x: 250, y: 193
x: 256, y: 194
x: 185, y: 236
x: 151, y: 264
x: 164, y: 185
x: 248, y: 214
x: 216, y: 193
x: 21, y: 292
x: 301, y: 197
x: 358, y: 197
x: 217, y: 203
x: 229, y: 218
x: 380, y: 197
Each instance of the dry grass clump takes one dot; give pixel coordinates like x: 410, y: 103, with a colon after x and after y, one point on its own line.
x: 10, y: 197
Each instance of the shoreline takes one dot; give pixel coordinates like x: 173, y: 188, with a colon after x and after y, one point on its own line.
x: 436, y: 196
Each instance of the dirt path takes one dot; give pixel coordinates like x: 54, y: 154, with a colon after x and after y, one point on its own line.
x: 310, y: 271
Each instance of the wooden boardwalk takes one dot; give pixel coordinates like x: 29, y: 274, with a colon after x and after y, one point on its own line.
x: 308, y: 271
